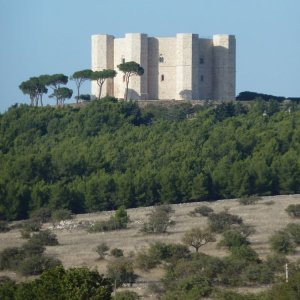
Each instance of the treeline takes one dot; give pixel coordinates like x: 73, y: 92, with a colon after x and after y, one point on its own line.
x: 250, y: 96
x: 111, y: 153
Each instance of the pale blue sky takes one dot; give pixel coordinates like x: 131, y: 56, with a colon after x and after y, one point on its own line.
x: 53, y: 36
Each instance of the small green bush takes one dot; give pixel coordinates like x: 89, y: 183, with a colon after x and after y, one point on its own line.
x: 222, y: 221
x: 258, y: 273
x: 126, y: 295
x: 145, y: 261
x: 32, y: 248
x: 61, y: 215
x: 10, y: 258
x: 116, y: 252
x: 281, y: 242
x: 29, y: 226
x: 245, y: 252
x: 293, y: 210
x: 42, y: 215
x: 44, y: 238
x: 102, y: 250
x: 276, y: 262
x: 294, y: 231
x: 233, y: 238
x: 4, y: 226
x: 250, y: 200
x: 203, y: 210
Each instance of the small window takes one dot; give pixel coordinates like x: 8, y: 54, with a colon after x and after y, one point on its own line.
x: 162, y: 77
x: 201, y: 60
x: 202, y: 78
x: 123, y: 59
x: 161, y: 58
x: 123, y: 78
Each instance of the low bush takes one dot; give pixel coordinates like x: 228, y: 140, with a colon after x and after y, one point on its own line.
x: 10, y: 258
x: 29, y: 226
x: 4, y: 226
x: 102, y: 250
x: 250, y: 200
x: 281, y: 242
x: 223, y: 221
x: 202, y: 210
x: 61, y: 215
x: 259, y: 274
x: 244, y: 252
x: 233, y: 238
x: 276, y: 262
x: 126, y: 295
x: 145, y: 261
x: 44, y: 238
x: 42, y: 215
x: 293, y: 210
x: 116, y: 252
x: 32, y: 248
x: 294, y: 231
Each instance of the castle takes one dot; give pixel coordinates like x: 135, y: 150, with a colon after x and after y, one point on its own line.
x: 184, y: 67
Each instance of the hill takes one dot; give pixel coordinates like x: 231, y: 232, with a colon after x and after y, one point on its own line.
x: 111, y: 153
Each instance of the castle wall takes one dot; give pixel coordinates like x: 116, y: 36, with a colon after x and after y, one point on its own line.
x: 184, y: 67
x: 224, y: 67
x: 102, y: 58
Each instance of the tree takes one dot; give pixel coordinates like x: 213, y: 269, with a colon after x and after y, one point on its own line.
x: 79, y: 78
x: 101, y: 76
x: 129, y: 69
x: 61, y: 94
x: 196, y: 237
x: 55, y: 81
x: 35, y: 88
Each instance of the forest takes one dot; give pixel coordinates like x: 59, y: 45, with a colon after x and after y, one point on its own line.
x: 109, y: 154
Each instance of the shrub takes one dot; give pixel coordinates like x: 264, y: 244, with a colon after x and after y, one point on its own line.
x: 32, y: 248
x: 250, y: 200
x: 145, y: 261
x: 223, y: 221
x: 4, y: 226
x: 127, y: 295
x: 61, y: 215
x: 10, y: 258
x: 281, y: 242
x: 45, y: 238
x: 258, y: 273
x: 168, y: 252
x: 159, y: 220
x: 233, y: 238
x: 294, y: 231
x: 36, y: 264
x: 102, y: 250
x: 116, y: 252
x: 244, y: 252
x: 29, y: 226
x: 203, y: 210
x: 293, y: 210
x: 42, y: 215
x: 121, y: 271
x: 276, y: 262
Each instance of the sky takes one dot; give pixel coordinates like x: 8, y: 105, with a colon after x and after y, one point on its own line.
x: 54, y: 36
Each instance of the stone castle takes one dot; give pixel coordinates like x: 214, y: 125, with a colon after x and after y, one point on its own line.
x: 184, y: 67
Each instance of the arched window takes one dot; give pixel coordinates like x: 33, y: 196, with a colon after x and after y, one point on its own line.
x: 201, y: 60
x: 161, y: 58
x: 162, y: 77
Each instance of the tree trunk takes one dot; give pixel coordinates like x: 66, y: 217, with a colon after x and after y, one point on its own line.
x: 77, y: 94
x: 126, y: 90
x: 100, y: 90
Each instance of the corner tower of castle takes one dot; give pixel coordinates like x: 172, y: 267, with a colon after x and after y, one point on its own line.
x: 184, y: 67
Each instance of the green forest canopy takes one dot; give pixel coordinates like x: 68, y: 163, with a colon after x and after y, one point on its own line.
x: 111, y: 153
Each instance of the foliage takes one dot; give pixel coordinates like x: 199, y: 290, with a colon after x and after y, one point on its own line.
x: 102, y: 250
x: 249, y: 200
x: 293, y: 210
x: 116, y: 252
x: 127, y: 295
x: 129, y: 69
x: 44, y: 238
x: 233, y: 238
x: 42, y: 214
x: 293, y: 230
x: 109, y: 153
x: 281, y: 242
x: 159, y: 220
x: 57, y: 283
x: 121, y: 271
x: 220, y: 222
x: 4, y: 226
x: 61, y: 94
x: 197, y: 237
x: 101, y: 76
x: 79, y: 77
x: 61, y: 215
x: 203, y: 210
x: 118, y: 221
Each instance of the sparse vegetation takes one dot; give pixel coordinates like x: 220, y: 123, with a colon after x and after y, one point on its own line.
x: 127, y: 295
x: 223, y: 221
x: 293, y: 210
x: 3, y: 226
x: 116, y: 252
x: 293, y: 230
x: 202, y: 210
x: 197, y: 237
x: 249, y: 200
x: 102, y: 250
x: 44, y: 238
x: 233, y: 238
x: 61, y: 215
x: 159, y: 220
x: 281, y: 242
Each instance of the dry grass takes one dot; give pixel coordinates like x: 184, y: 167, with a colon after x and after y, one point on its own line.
x: 77, y: 246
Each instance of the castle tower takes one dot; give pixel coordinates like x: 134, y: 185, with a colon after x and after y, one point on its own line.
x: 224, y: 67
x: 103, y: 58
